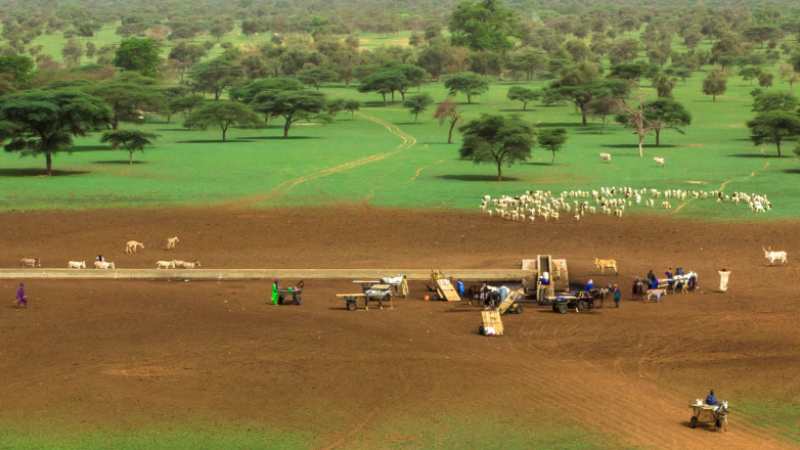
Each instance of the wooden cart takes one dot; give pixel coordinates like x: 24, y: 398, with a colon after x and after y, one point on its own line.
x: 294, y: 293
x: 707, y: 413
x: 383, y: 292
x: 491, y: 322
x: 568, y: 300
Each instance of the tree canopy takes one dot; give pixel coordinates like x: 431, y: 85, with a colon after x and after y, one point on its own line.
x: 498, y: 140
x: 45, y: 122
x: 483, y: 25
x: 552, y: 139
x: 222, y: 113
x: 293, y: 106
x: 138, y: 54
x: 216, y: 75
x: 524, y: 95
x: 418, y: 104
x: 773, y: 127
x: 469, y: 83
x: 129, y: 140
x: 665, y: 114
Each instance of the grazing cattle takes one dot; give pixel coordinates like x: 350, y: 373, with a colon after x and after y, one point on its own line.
x: 132, y: 246
x: 605, y: 156
x: 77, y: 265
x: 171, y: 243
x: 33, y: 262
x: 659, y: 162
x: 165, y: 264
x: 104, y: 265
x: 188, y: 265
x: 604, y: 264
x: 774, y: 256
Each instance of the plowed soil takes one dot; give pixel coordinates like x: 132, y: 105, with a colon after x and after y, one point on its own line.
x: 104, y: 354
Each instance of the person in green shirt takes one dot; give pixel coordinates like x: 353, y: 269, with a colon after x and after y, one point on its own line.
x: 275, y: 293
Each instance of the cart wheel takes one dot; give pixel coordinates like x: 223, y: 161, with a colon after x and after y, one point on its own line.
x: 518, y: 310
x: 693, y: 422
x: 581, y: 305
x: 563, y: 308
x: 481, y: 330
x: 351, y: 306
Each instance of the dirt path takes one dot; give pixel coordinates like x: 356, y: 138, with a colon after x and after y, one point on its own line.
x: 408, y: 142
x: 722, y: 186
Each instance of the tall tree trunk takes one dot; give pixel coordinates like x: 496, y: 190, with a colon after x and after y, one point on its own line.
x: 524, y: 105
x: 403, y: 94
x: 553, y: 162
x: 641, y: 140
x: 130, y: 157
x: 469, y: 99
x: 450, y: 134
x: 778, y: 144
x: 347, y: 83
x: 49, y: 158
x: 416, y: 116
x: 713, y: 97
x: 583, y: 116
x: 115, y: 125
x: 392, y: 96
x: 169, y: 118
x: 224, y: 135
x: 658, y: 134
x: 602, y: 124
x: 384, y: 100
x: 499, y: 171
x: 286, y: 129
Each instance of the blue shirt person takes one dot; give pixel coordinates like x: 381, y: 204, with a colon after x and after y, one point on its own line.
x: 711, y: 399
x: 460, y: 288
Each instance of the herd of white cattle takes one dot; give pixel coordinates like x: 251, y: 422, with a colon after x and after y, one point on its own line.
x: 611, y: 201
x: 130, y: 248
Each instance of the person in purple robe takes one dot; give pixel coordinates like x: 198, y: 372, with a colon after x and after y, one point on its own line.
x: 22, y: 299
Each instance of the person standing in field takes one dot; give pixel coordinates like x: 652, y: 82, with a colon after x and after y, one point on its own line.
x: 617, y: 295
x: 22, y: 299
x: 723, y: 279
x: 275, y: 293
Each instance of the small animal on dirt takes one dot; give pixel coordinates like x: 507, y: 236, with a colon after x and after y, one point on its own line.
x: 604, y: 264
x: 659, y: 162
x: 32, y: 262
x: 104, y: 265
x: 774, y: 256
x: 77, y: 265
x: 165, y: 264
x: 187, y: 265
x: 171, y: 243
x: 605, y: 156
x: 133, y: 246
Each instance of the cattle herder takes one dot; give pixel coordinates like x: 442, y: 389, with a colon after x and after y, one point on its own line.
x: 275, y: 293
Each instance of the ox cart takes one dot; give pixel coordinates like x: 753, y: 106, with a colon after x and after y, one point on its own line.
x: 375, y: 292
x: 566, y: 301
x: 715, y: 415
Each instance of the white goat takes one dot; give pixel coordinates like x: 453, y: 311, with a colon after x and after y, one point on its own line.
x: 605, y: 156
x: 187, y: 265
x: 659, y: 161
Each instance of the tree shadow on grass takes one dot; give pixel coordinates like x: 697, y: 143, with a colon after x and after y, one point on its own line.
x: 636, y: 146
x: 475, y: 178
x: 214, y: 141
x: 280, y: 138
x: 90, y: 148
x: 21, y: 173
x: 520, y: 111
x: 566, y: 125
x: 792, y: 171
x: 169, y: 130
x: 121, y: 162
x: 543, y: 164
x: 757, y: 155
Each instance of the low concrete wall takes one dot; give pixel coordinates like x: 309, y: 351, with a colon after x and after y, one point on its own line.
x: 248, y: 274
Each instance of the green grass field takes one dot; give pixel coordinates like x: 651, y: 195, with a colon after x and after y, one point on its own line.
x: 193, y: 167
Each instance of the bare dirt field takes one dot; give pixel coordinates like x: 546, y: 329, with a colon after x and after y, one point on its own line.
x: 106, y: 354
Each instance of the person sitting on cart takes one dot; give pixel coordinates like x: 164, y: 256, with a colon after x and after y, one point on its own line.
x: 589, y: 286
x: 711, y: 400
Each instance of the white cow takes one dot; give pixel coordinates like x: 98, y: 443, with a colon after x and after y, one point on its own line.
x: 104, y: 265
x: 774, y: 256
x: 659, y: 161
x: 165, y: 265
x: 77, y: 265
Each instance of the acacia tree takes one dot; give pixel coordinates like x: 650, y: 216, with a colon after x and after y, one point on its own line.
x: 552, y: 139
x: 603, y: 107
x: 664, y: 114
x: 773, y: 127
x: 72, y: 52
x: 129, y: 99
x: 418, y: 104
x: 352, y: 106
x: 293, y: 106
x: 774, y: 101
x: 44, y: 122
x: 448, y: 110
x: 524, y: 95
x: 497, y: 139
x: 130, y: 140
x: 138, y: 54
x: 715, y: 84
x: 222, y: 113
x: 186, y: 104
x: 215, y: 76
x: 664, y: 85
x: 636, y: 120
x: 316, y: 76
x: 750, y: 73
x: 469, y: 83
x: 384, y: 82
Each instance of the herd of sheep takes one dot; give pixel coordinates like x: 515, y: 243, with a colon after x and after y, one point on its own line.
x: 130, y: 248
x: 610, y: 201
